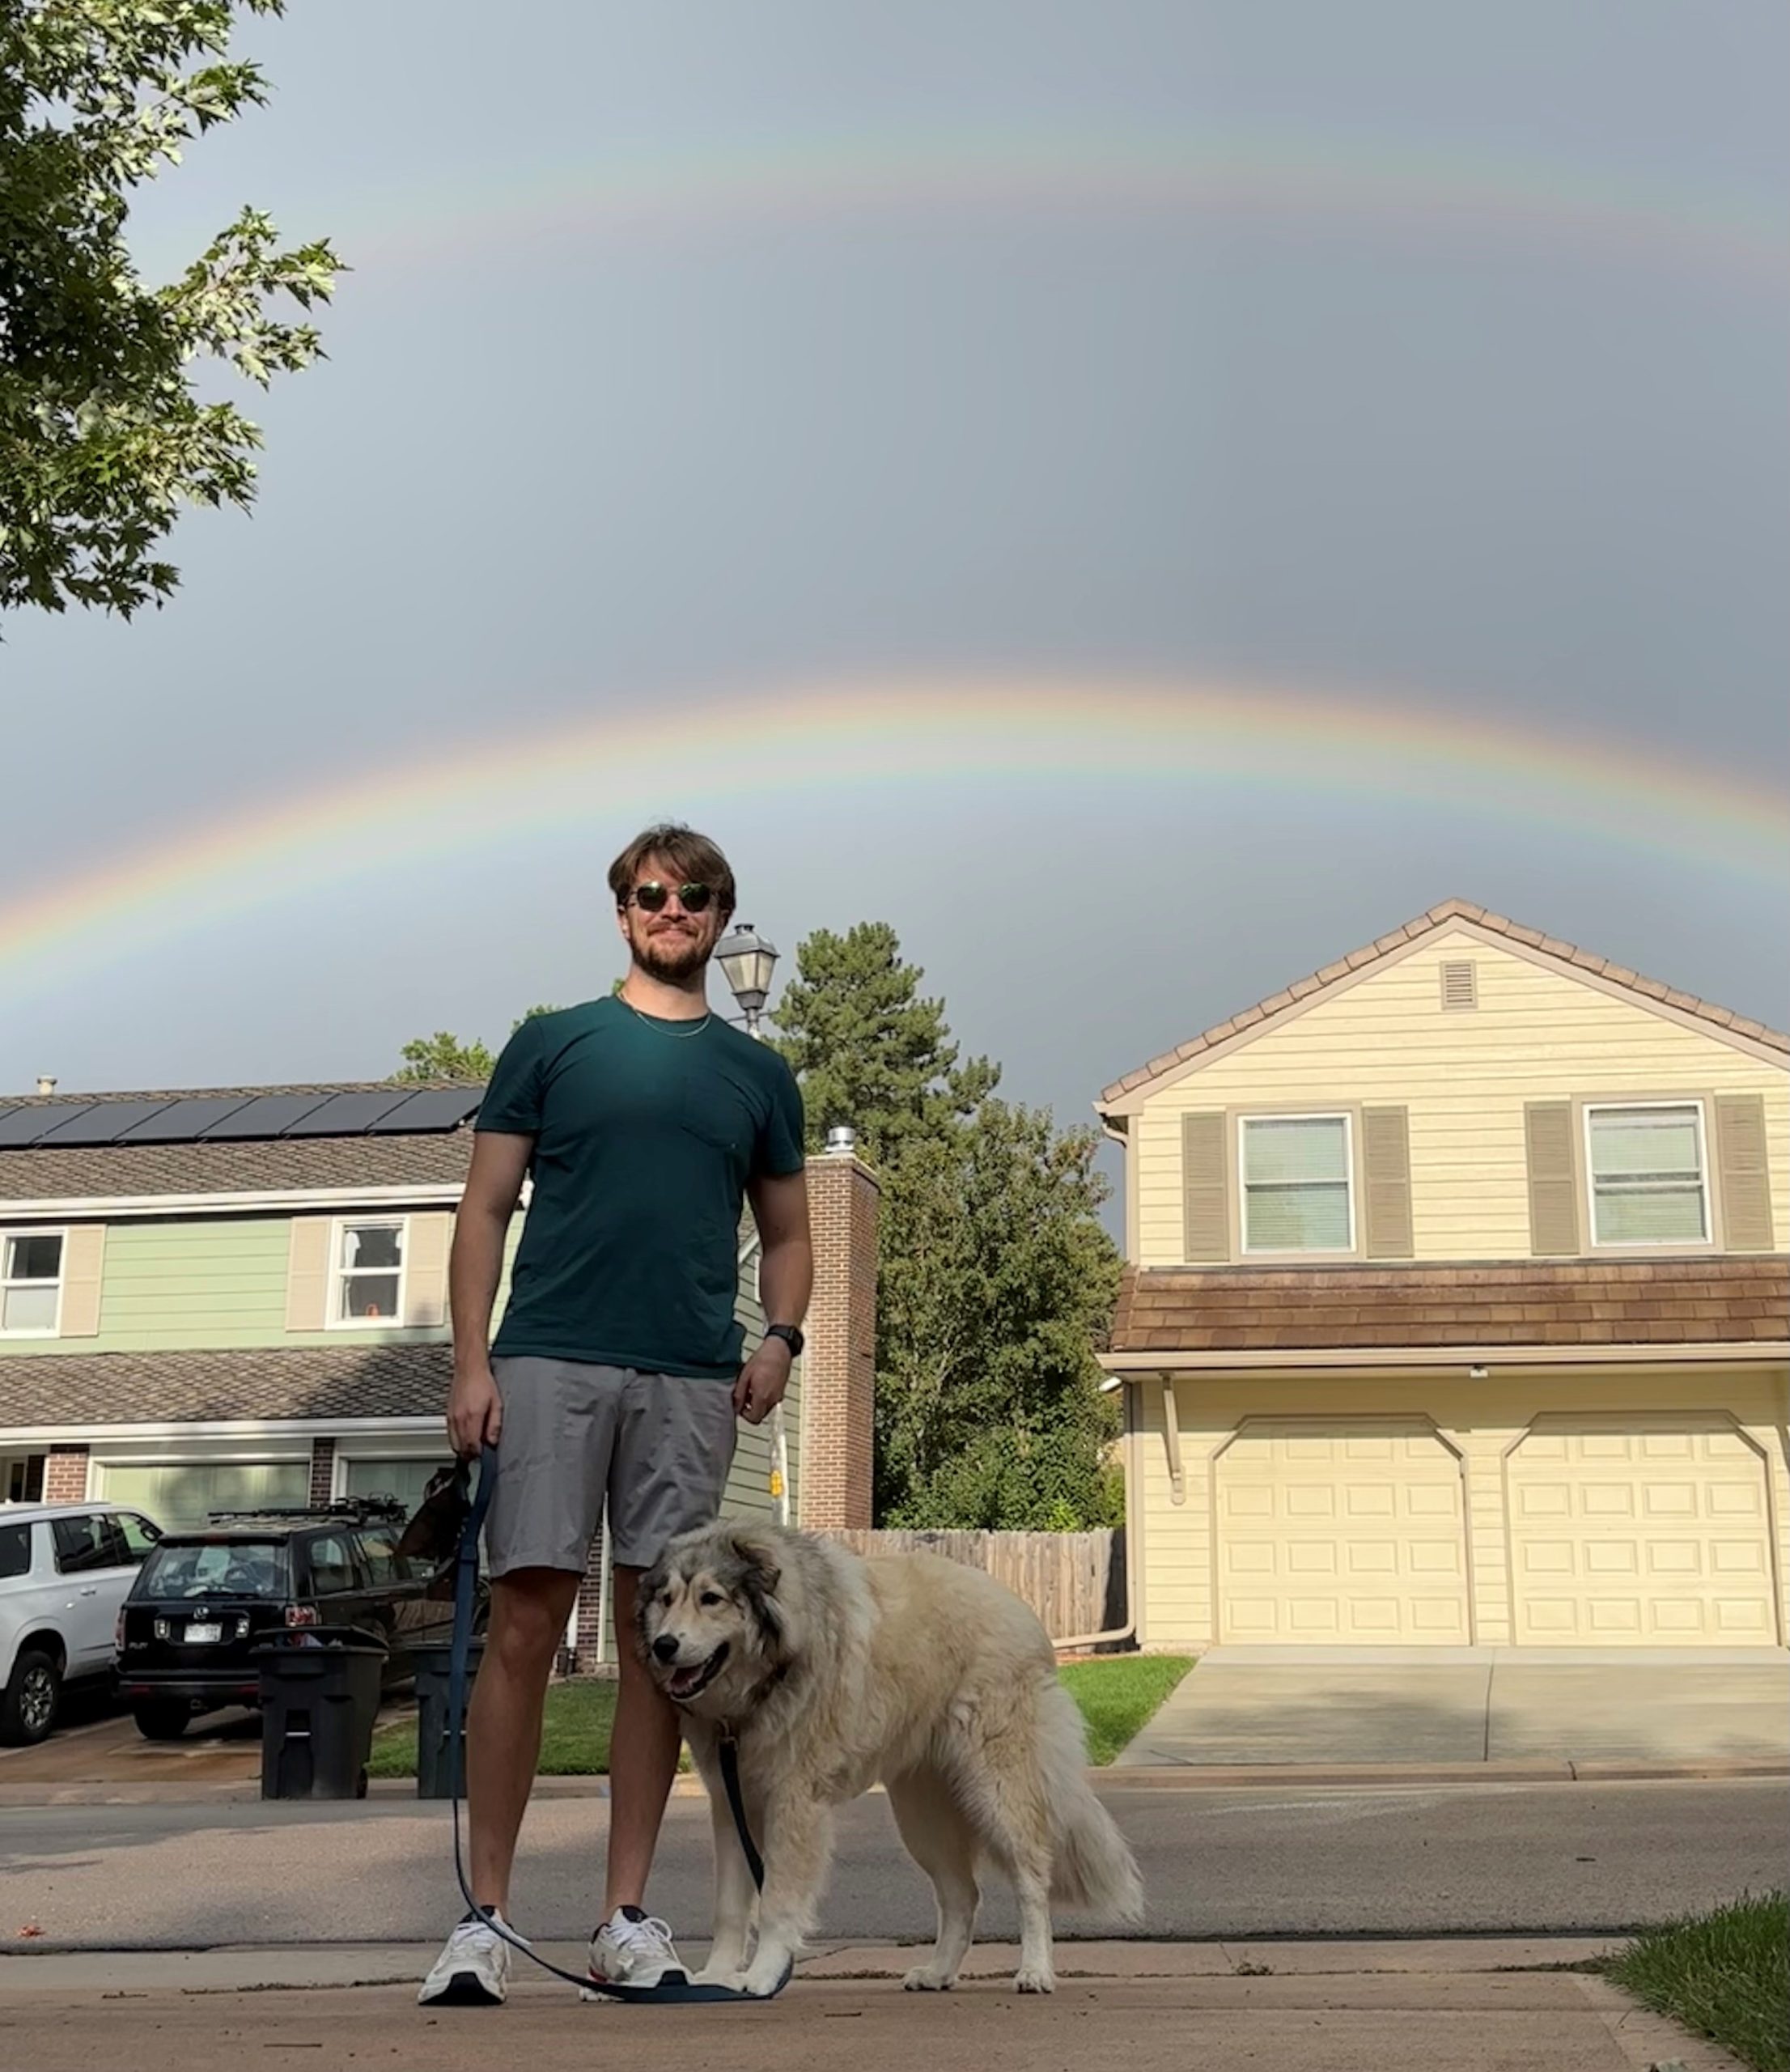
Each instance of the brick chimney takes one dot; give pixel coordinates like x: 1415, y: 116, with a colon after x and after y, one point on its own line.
x: 839, y: 1362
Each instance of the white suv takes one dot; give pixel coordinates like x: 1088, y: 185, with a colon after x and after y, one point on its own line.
x: 64, y: 1571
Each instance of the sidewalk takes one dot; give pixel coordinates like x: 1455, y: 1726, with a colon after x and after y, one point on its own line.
x: 1447, y: 2006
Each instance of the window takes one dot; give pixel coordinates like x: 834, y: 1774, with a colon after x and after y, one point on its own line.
x: 1648, y: 1176
x: 31, y: 1281
x: 138, y: 1534
x: 1295, y: 1184
x: 21, y: 1478
x: 83, y: 1544
x: 404, y: 1480
x: 368, y: 1277
x: 385, y: 1566
x: 332, y: 1566
x: 14, y: 1551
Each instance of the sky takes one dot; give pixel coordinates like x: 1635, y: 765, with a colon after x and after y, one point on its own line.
x: 1142, y: 498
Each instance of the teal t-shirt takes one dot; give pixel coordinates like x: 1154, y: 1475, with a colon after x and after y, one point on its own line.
x: 646, y: 1133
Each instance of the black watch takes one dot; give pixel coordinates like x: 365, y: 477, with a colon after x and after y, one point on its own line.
x: 791, y: 1336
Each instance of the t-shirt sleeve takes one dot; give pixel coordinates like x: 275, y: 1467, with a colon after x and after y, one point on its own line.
x: 780, y: 1148
x: 512, y: 1100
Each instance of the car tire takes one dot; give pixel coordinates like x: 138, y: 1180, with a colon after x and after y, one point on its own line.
x: 31, y: 1699
x: 161, y: 1722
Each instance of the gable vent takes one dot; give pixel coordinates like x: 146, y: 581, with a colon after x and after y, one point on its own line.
x: 1459, y: 989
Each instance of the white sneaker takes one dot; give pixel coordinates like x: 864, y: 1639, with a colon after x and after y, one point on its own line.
x: 474, y: 1969
x: 631, y: 1948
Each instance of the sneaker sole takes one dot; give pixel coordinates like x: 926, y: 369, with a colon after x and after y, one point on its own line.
x: 463, y: 1990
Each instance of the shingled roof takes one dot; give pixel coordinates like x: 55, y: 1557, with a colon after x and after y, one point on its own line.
x: 1652, y: 990
x: 1657, y: 1303
x: 269, y: 1382
x: 257, y: 1165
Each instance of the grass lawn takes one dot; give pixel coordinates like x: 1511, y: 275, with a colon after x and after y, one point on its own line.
x: 1726, y: 1975
x: 1117, y: 1695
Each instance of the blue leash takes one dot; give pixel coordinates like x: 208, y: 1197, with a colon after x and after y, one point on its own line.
x: 676, y: 1988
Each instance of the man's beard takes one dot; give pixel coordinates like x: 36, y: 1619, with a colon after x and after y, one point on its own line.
x: 673, y: 956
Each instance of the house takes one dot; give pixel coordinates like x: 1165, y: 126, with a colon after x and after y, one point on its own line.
x: 222, y: 1297
x: 1454, y: 1311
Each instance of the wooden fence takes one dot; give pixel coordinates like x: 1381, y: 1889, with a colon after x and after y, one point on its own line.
x: 1074, y: 1581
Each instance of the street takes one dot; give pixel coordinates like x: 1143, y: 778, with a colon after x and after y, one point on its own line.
x: 1284, y: 1861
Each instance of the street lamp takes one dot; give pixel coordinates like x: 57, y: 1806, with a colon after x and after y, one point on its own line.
x: 747, y: 960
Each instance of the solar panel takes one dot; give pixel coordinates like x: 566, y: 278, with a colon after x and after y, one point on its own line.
x: 21, y: 1126
x: 182, y: 1120
x: 101, y: 1122
x: 438, y: 1108
x: 265, y: 1116
x: 346, y: 1114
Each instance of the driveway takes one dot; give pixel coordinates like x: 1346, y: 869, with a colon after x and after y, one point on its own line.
x: 1464, y: 1705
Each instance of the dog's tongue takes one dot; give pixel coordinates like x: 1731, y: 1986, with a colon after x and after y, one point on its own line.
x: 687, y: 1679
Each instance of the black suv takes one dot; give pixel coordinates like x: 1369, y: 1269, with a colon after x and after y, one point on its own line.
x: 203, y: 1601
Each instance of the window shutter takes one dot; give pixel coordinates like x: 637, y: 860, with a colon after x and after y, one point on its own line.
x: 1553, y: 1179
x: 1745, y: 1172
x: 84, y: 1258
x: 1385, y: 1159
x: 307, y: 1274
x: 426, y: 1241
x: 1205, y: 1219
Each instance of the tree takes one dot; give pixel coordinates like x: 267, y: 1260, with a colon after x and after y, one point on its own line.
x: 866, y: 1049
x: 994, y: 1291
x: 103, y: 434
x: 443, y: 1056
x: 995, y: 1277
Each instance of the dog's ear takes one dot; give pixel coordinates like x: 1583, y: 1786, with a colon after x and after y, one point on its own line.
x: 646, y: 1590
x: 760, y: 1570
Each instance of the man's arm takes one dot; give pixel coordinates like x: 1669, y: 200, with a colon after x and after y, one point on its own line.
x: 475, y: 1266
x: 786, y: 1281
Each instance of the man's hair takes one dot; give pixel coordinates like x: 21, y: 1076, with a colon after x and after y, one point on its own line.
x: 692, y: 856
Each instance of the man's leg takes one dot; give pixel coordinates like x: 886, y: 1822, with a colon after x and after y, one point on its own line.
x: 529, y: 1609
x: 643, y: 1746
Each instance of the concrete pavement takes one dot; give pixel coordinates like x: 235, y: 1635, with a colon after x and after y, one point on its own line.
x: 1462, y: 1706
x: 1378, y: 2007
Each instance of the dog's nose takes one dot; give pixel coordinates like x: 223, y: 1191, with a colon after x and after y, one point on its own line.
x: 665, y: 1647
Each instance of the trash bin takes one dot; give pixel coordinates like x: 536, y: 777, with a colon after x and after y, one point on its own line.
x: 441, y: 1739
x: 319, y: 1691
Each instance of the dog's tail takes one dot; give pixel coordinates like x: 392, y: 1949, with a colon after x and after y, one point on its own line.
x: 1092, y: 1865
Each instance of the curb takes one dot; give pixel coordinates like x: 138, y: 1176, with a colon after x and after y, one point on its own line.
x: 1136, y: 1776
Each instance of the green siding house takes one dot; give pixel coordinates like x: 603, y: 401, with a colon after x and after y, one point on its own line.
x: 219, y: 1297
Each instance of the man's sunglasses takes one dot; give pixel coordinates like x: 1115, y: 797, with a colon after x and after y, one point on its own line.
x: 650, y: 897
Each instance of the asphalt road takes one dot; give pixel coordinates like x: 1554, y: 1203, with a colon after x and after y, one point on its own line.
x: 1423, y: 1860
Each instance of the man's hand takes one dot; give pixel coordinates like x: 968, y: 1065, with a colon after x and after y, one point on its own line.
x: 762, y: 1381
x: 475, y: 1411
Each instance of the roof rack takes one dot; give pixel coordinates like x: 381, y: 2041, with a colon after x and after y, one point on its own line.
x: 358, y: 1509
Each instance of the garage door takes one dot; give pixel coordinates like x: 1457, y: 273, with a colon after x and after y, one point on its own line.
x: 180, y: 1495
x: 1654, y: 1533
x: 1350, y: 1533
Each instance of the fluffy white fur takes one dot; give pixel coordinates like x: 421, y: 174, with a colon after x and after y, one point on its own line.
x: 836, y: 1671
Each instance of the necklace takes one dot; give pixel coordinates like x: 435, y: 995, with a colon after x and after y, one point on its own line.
x: 677, y: 1036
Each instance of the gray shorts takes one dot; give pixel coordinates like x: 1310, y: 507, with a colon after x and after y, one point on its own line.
x: 657, y: 1446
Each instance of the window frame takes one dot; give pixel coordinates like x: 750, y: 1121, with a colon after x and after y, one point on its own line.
x: 339, y: 1227
x: 8, y: 1232
x: 1701, y: 1106
x: 1345, y: 1113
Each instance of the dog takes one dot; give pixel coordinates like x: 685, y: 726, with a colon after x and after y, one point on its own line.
x: 834, y: 1671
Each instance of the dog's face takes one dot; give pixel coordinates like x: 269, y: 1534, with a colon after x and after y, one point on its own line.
x: 709, y: 1624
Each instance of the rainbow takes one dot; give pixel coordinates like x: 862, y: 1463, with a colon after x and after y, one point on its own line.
x: 1234, y: 178
x: 896, y: 739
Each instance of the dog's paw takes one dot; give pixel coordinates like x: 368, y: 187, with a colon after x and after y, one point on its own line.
x: 1034, y: 1978
x: 923, y: 1978
x: 761, y: 1979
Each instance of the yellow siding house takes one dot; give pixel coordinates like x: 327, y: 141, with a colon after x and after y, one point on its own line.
x: 1455, y: 1310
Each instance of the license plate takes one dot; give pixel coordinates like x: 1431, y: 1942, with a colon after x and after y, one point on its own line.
x: 197, y: 1634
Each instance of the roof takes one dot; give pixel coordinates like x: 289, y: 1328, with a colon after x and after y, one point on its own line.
x: 269, y: 1382
x: 1642, y: 1303
x: 47, y: 1172
x: 1652, y: 990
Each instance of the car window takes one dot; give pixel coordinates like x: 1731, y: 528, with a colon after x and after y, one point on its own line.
x: 212, y: 1568
x: 332, y: 1565
x: 14, y: 1551
x: 80, y: 1544
x: 379, y: 1546
x: 138, y: 1534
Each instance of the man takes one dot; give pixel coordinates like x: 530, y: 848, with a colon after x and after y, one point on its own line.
x: 645, y: 1121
